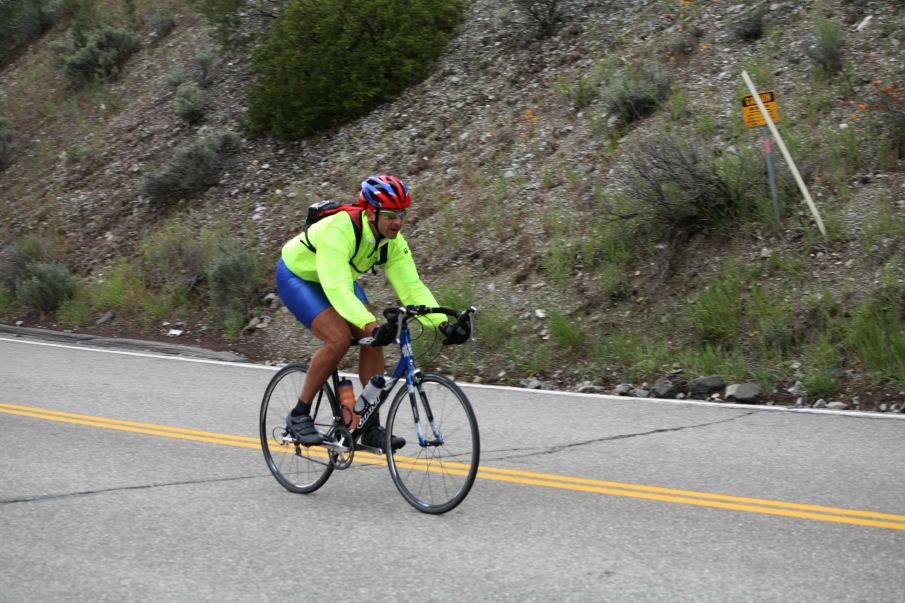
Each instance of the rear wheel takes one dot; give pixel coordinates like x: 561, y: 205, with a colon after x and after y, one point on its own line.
x: 434, y: 473
x: 298, y: 468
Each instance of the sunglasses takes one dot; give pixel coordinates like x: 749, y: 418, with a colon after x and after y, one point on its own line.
x: 392, y: 215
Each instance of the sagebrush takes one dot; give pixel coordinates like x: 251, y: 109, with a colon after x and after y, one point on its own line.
x: 23, y: 20
x: 45, y: 286
x: 329, y: 61
x: 192, y: 169
x: 96, y: 55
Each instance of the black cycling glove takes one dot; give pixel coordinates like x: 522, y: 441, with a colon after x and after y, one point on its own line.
x: 455, y: 333
x: 385, y: 334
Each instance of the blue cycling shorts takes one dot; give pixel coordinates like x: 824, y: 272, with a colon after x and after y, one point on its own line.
x: 305, y: 299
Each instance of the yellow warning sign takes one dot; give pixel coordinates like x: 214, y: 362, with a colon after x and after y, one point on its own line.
x: 752, y: 114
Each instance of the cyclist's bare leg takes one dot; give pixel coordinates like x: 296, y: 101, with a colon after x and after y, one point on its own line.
x: 336, y: 333
x: 370, y: 363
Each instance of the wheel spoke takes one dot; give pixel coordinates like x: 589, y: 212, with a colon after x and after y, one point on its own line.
x: 435, y: 479
x: 297, y: 468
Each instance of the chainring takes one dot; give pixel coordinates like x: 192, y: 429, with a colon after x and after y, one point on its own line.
x: 342, y: 436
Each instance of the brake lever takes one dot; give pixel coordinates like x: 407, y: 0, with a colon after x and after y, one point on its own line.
x: 465, y: 319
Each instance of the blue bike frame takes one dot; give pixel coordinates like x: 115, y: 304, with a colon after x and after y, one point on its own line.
x: 406, y: 368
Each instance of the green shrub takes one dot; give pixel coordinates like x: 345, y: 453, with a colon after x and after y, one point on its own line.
x: 580, y: 94
x: 203, y: 63
x: 328, y: 61
x: 191, y: 170
x: 174, y: 258
x: 23, y: 20
x: 45, y: 286
x: 233, y: 277
x: 225, y: 17
x: 24, y: 252
x: 827, y: 52
x: 97, y: 55
x: 7, y: 140
x: 636, y: 94
x: 681, y: 187
x: 191, y: 102
x: 161, y: 25
x: 540, y: 16
x: 175, y: 79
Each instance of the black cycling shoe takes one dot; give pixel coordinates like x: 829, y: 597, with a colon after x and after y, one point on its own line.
x: 376, y: 437
x: 303, y: 430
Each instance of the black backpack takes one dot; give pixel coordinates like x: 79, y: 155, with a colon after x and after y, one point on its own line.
x: 322, y: 209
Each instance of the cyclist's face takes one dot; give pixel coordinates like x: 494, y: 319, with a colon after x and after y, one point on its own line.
x: 388, y: 223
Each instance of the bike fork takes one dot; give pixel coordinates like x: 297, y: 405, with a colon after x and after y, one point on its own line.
x: 438, y: 437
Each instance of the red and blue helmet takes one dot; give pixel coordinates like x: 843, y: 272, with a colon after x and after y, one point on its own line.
x: 384, y: 192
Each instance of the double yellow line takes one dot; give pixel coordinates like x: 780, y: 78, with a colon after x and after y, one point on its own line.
x: 686, y: 497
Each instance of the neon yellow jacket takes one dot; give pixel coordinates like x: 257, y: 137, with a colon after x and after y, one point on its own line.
x: 334, y: 239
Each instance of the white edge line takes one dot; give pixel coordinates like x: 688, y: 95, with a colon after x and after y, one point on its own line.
x: 88, y: 348
x: 520, y: 390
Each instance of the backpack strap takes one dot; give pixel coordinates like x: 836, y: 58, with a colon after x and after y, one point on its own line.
x: 354, y: 212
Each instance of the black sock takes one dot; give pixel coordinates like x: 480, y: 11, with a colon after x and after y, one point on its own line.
x: 301, y: 409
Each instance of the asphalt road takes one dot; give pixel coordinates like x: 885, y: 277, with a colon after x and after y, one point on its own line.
x: 580, y: 497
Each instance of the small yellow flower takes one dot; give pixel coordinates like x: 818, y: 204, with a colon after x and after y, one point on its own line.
x: 684, y: 2
x: 862, y: 106
x: 855, y: 117
x: 704, y: 45
x: 818, y: 178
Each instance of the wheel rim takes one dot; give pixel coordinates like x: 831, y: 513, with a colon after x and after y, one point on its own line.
x: 297, y: 468
x: 435, y: 479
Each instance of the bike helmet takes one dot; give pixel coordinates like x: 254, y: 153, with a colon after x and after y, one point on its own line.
x: 384, y: 192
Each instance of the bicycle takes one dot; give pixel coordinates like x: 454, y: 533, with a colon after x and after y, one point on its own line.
x: 441, y: 473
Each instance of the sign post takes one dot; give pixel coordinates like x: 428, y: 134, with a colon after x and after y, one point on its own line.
x: 753, y: 118
x: 785, y: 153
x: 765, y: 132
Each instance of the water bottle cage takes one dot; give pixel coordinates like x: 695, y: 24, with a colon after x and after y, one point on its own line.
x: 367, y: 412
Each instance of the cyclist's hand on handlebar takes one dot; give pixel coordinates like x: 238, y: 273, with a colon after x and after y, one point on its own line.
x: 455, y: 333
x: 384, y: 334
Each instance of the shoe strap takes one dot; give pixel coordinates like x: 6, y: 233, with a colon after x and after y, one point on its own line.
x: 304, y: 425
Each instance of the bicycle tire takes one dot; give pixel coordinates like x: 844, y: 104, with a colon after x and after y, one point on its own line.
x: 438, y: 477
x: 297, y: 468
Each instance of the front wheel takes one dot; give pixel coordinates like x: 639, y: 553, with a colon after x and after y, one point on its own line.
x: 298, y: 468
x: 437, y: 467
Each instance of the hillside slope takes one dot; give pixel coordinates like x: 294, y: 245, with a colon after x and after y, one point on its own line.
x: 514, y: 152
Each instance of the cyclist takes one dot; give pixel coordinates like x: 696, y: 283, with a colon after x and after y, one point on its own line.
x: 315, y: 278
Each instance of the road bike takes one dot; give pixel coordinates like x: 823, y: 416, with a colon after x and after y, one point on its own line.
x: 436, y: 468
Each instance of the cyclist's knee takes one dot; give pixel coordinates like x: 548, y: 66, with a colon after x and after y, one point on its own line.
x: 338, y: 346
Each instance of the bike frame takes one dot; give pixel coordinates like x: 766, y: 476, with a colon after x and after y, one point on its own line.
x: 406, y: 369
